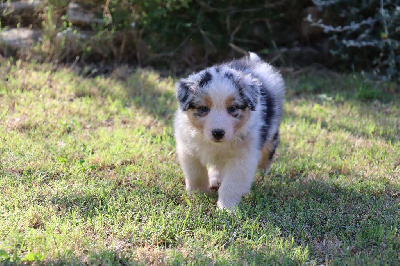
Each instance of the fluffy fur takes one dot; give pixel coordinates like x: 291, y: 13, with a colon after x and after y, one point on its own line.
x: 227, y: 126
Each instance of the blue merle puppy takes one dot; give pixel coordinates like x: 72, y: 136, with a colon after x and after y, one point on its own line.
x: 227, y: 126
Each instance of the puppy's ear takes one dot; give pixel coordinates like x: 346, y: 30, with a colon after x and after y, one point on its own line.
x: 249, y: 90
x: 184, y: 94
x: 248, y: 87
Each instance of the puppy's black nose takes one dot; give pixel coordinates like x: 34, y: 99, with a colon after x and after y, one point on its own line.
x: 218, y: 133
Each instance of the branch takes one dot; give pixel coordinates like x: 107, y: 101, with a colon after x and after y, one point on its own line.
x: 352, y: 27
x: 238, y: 49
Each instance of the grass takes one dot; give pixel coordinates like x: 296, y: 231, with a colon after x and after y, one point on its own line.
x: 88, y: 174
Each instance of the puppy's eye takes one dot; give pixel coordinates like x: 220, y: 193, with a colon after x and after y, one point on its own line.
x: 202, y: 111
x: 232, y: 109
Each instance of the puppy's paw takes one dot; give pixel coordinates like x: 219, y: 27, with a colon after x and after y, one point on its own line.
x: 214, y: 185
x: 214, y: 188
x: 223, y: 207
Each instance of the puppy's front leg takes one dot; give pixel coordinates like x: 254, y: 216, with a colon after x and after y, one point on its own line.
x: 195, y: 173
x: 236, y: 182
x: 214, y: 176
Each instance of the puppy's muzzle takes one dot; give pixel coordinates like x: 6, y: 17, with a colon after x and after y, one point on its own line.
x: 218, y: 134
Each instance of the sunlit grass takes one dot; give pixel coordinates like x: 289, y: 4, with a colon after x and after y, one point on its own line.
x: 88, y: 174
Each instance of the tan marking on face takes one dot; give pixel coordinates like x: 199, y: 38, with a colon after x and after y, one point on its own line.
x: 208, y: 101
x: 245, y: 116
x: 197, y: 122
x: 265, y: 162
x: 229, y: 101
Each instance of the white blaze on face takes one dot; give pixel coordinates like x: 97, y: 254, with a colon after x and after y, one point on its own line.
x: 219, y: 120
x: 220, y: 92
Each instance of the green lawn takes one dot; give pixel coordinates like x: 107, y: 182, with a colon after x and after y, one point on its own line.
x: 88, y: 174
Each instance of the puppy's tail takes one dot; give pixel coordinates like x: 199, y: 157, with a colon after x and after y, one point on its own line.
x: 254, y: 57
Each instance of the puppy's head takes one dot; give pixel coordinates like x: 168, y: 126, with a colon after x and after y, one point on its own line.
x: 218, y: 101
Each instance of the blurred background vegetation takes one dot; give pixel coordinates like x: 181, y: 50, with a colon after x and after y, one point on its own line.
x: 185, y: 35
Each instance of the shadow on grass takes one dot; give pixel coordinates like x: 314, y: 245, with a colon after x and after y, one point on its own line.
x: 342, y: 218
x: 160, y: 256
x: 177, y: 246
x: 148, y: 92
x: 336, y: 222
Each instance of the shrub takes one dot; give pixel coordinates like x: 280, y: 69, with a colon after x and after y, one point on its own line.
x: 198, y: 31
x: 163, y: 31
x: 367, y: 37
x: 363, y: 35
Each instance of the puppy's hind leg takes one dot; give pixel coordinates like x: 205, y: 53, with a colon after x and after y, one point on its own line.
x: 267, y: 154
x: 195, y: 173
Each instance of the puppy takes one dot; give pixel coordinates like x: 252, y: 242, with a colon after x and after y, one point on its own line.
x: 227, y: 126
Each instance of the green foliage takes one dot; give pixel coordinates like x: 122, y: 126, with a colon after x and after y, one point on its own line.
x: 3, y: 255
x: 186, y: 33
x: 30, y: 257
x: 365, y: 36
x: 371, y: 93
x: 163, y: 29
